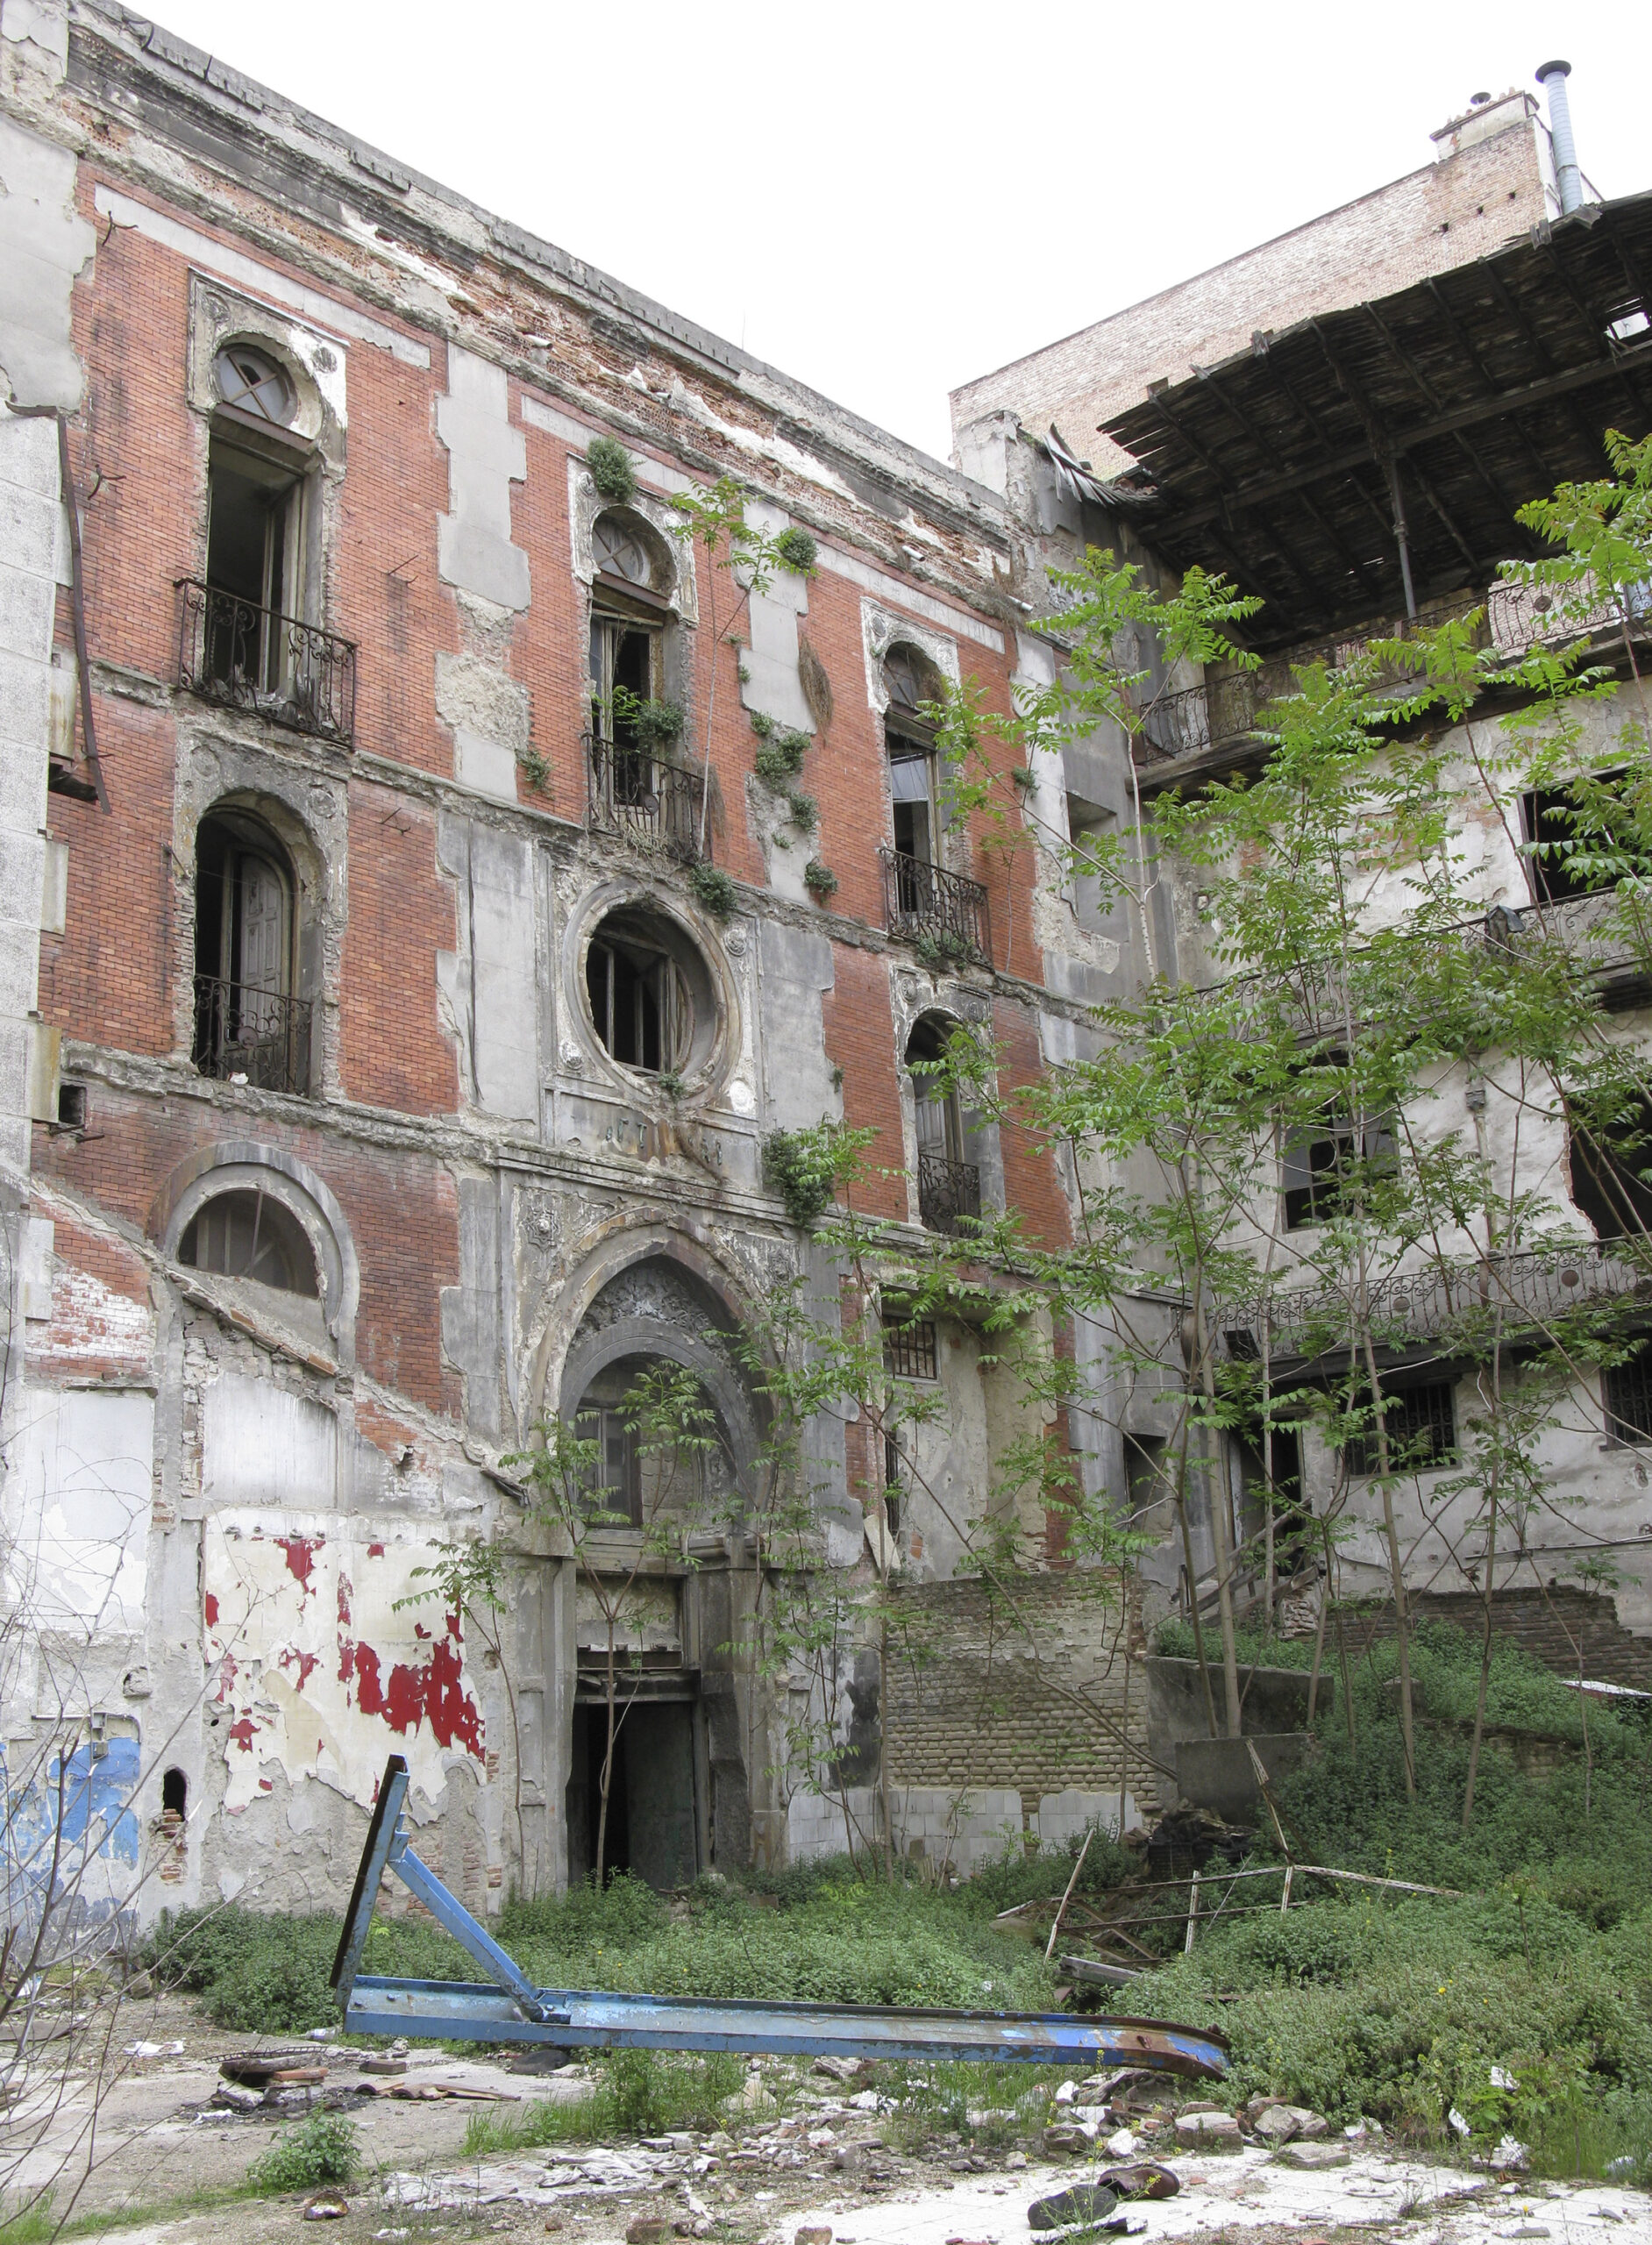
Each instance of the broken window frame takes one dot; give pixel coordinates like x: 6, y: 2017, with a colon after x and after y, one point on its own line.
x: 1547, y: 823
x: 632, y: 975
x: 1609, y: 1177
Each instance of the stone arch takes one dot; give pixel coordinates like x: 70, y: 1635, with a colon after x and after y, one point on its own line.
x: 651, y: 1291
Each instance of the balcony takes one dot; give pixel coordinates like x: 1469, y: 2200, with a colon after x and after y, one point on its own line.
x: 1461, y: 1303
x: 648, y: 802
x: 254, y: 1036
x: 947, y: 1191
x: 1203, y: 716
x: 269, y: 665
x: 944, y: 914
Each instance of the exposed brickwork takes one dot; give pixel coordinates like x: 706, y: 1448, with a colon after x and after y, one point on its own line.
x: 1550, y: 1624
x: 1032, y: 1698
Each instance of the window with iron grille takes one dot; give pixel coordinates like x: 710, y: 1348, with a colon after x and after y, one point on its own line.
x: 908, y: 1348
x: 1628, y: 1393
x: 1420, y: 1425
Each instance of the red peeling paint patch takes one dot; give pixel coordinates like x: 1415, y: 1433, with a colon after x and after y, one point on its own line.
x: 227, y: 1673
x: 435, y: 1694
x: 452, y: 1627
x: 265, y: 1784
x: 345, y: 1593
x: 300, y: 1558
x: 211, y: 1611
x: 242, y: 1733
x: 307, y: 1662
x: 376, y: 1551
x: 419, y: 1631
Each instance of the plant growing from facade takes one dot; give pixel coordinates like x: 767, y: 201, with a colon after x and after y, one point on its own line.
x: 612, y: 470
x: 820, y: 881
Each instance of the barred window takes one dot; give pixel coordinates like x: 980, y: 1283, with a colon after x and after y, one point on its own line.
x: 1420, y: 1425
x: 1628, y: 1393
x: 909, y: 1347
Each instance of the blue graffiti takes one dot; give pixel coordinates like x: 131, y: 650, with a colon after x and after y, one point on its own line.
x: 94, y: 1791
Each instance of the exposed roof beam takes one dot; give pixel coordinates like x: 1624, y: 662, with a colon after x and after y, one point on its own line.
x: 1403, y: 440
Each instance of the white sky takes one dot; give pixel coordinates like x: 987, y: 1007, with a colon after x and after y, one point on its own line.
x: 886, y: 198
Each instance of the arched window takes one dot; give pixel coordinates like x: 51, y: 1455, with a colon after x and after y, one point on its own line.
x: 251, y: 382
x: 174, y: 1794
x: 949, y: 1184
x: 251, y: 1235
x: 249, y: 1026
x: 911, y: 679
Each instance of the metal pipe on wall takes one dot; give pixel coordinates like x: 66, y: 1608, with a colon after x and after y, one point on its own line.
x: 1552, y: 77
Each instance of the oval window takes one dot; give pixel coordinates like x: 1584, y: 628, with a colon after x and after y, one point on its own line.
x: 253, y: 383
x: 650, y: 993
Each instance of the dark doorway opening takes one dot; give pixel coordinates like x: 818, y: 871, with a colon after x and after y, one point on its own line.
x: 652, y: 1827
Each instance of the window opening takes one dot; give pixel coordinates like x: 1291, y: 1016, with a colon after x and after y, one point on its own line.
x: 71, y: 1107
x: 1145, y: 1480
x: 253, y: 384
x: 640, y: 1003
x: 909, y: 738
x: 255, y: 508
x: 1420, y: 1424
x: 1322, y: 1166
x: 909, y: 1347
x: 1550, y: 818
x: 249, y: 1235
x: 635, y: 1479
x: 614, y: 1492
x: 174, y: 1794
x: 247, y: 1021
x: 940, y: 1121
x: 1626, y: 1391
x: 1611, y: 1173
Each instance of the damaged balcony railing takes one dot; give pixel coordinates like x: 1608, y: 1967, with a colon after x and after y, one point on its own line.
x: 1521, y: 1293
x: 638, y: 794
x: 256, y: 1034
x: 947, y: 1191
x: 508, y: 2008
x: 941, y: 911
x: 1203, y: 716
x: 254, y: 659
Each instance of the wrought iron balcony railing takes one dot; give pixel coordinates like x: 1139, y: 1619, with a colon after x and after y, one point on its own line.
x: 941, y: 912
x: 638, y: 794
x: 1203, y: 716
x: 254, y: 659
x: 257, y: 1034
x: 947, y: 1191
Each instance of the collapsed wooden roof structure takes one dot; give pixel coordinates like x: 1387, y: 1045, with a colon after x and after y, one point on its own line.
x: 1364, y: 463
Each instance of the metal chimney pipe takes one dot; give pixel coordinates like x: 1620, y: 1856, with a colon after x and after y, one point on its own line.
x: 1552, y: 77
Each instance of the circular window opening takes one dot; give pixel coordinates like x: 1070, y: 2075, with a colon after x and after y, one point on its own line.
x: 254, y: 384
x: 621, y: 550
x: 653, y: 1005
x: 250, y: 1235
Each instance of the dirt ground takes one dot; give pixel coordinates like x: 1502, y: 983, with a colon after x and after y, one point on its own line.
x: 159, y: 2143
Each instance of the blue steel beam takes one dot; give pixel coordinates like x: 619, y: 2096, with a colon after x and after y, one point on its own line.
x: 514, y: 2010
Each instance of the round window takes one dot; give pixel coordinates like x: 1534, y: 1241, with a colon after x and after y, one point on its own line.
x: 620, y: 550
x: 253, y: 383
x: 652, y: 1001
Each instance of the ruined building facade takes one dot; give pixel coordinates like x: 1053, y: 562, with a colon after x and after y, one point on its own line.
x: 384, y: 1074
x: 393, y: 1025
